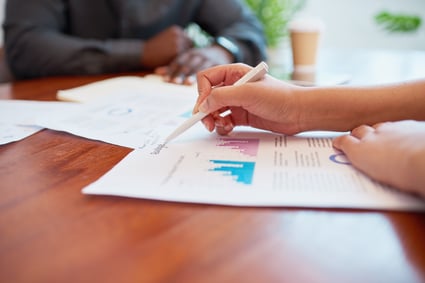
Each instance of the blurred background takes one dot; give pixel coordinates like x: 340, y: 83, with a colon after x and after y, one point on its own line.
x: 350, y: 23
x: 379, y: 32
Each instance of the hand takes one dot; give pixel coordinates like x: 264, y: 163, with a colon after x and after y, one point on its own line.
x: 392, y: 153
x: 183, y: 68
x: 267, y: 104
x: 165, y: 46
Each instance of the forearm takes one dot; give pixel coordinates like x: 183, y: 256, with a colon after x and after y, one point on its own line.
x: 343, y: 108
x: 38, y: 40
x: 70, y: 56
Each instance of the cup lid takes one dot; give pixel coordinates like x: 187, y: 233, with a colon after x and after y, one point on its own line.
x: 306, y: 24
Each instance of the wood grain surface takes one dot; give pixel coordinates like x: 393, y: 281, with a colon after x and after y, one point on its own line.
x: 51, y: 232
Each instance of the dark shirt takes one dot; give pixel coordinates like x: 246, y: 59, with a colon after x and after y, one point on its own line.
x: 66, y: 37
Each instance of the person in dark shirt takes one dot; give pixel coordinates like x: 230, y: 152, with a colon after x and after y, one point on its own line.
x: 81, y: 37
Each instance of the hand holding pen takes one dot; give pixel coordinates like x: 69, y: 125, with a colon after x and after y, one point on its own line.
x: 242, y: 76
x: 267, y: 104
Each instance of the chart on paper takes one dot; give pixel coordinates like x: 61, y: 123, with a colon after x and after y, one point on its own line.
x: 249, y: 168
x: 223, y: 162
x: 273, y: 162
x: 241, y: 172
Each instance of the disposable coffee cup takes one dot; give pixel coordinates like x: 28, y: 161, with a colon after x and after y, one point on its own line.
x: 305, y: 34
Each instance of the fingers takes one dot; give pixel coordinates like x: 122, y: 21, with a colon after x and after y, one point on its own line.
x: 214, y: 102
x: 209, y: 123
x: 224, y: 131
x: 182, y: 70
x: 361, y: 131
x: 185, y: 65
x: 223, y: 74
x: 162, y: 48
x: 345, y: 142
x: 176, y: 38
x: 223, y: 123
x: 217, y: 76
x: 220, y: 100
x: 219, y: 120
x: 212, y: 79
x: 175, y: 77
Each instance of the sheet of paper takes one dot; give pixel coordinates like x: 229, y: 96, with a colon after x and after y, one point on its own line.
x: 18, y: 117
x: 108, y: 88
x: 136, y: 115
x: 249, y: 168
x: 11, y: 133
x: 100, y: 90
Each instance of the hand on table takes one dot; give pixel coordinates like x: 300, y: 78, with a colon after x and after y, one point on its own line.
x: 165, y: 47
x: 183, y: 68
x: 391, y: 152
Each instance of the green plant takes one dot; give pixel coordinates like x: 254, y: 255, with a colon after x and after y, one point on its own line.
x: 397, y: 22
x: 274, y: 16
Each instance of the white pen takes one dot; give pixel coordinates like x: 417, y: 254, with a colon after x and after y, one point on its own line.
x: 254, y: 75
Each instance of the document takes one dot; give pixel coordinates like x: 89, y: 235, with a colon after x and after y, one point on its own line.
x: 113, y: 88
x: 127, y: 111
x: 18, y: 117
x: 101, y: 89
x: 250, y: 168
x: 11, y: 133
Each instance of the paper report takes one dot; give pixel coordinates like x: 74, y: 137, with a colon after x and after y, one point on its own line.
x: 250, y: 168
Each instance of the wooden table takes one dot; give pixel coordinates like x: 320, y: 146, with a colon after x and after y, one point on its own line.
x: 51, y: 232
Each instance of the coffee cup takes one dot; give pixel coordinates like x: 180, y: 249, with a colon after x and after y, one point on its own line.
x: 305, y: 34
